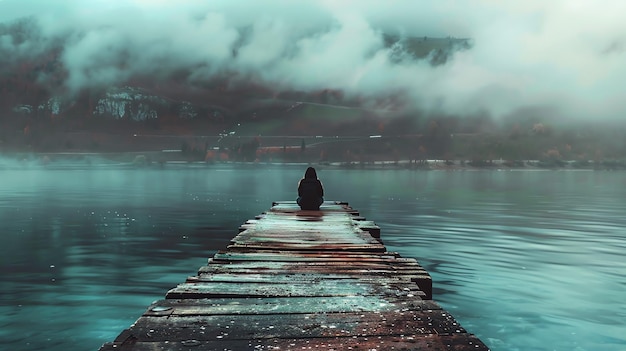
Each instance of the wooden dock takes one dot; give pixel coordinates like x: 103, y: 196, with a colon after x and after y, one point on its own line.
x: 301, y: 280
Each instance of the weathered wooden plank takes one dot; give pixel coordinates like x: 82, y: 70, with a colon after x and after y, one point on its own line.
x: 343, y: 267
x: 373, y: 275
x: 291, y: 276
x: 370, y: 227
x: 347, y: 235
x: 332, y: 267
x: 308, y: 246
x: 294, y: 208
x: 291, y: 253
x: 349, y: 287
x: 287, y: 227
x: 340, y: 235
x: 312, y: 274
x: 406, y: 342
x: 299, y: 278
x: 286, y: 305
x: 422, y: 281
x: 313, y: 325
x: 295, y: 279
x: 243, y: 254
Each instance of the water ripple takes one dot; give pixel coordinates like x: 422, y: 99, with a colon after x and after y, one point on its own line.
x: 525, y: 260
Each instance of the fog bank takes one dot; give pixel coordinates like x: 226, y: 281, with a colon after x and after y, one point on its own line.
x: 566, y: 56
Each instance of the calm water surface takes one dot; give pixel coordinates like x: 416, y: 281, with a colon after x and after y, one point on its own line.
x: 525, y: 260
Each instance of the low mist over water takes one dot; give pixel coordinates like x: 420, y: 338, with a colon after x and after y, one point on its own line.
x: 525, y: 260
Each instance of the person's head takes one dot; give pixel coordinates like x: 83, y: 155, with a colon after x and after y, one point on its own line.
x: 310, y: 173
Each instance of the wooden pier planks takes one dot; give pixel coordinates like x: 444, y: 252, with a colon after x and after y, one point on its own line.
x: 300, y: 280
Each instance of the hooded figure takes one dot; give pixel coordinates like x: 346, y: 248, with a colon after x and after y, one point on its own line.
x: 310, y: 191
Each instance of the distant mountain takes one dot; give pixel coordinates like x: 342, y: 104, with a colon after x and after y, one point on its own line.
x: 34, y: 96
x: 33, y: 80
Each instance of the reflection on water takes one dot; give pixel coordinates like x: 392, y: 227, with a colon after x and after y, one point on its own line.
x: 525, y: 260
x: 529, y: 261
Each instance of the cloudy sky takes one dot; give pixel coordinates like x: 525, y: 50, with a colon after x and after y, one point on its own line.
x: 569, y: 55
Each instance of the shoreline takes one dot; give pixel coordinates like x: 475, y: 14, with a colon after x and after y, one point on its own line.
x: 147, y: 160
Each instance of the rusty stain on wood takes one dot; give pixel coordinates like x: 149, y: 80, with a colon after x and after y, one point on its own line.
x: 300, y: 280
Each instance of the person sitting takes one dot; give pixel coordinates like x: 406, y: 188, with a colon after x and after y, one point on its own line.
x: 310, y: 191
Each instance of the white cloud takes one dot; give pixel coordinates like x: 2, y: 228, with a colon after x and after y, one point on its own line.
x: 566, y: 53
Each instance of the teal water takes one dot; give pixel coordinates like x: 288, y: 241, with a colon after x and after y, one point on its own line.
x: 526, y: 260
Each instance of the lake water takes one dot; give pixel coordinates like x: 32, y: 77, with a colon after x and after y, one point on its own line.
x: 526, y: 260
